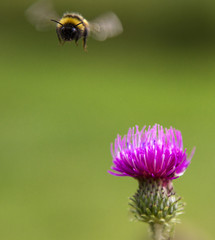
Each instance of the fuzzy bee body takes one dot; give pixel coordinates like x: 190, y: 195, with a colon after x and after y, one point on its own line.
x: 72, y: 26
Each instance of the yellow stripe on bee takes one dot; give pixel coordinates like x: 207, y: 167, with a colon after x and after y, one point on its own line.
x: 73, y: 21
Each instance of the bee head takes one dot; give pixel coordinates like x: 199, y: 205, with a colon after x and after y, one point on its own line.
x: 68, y: 32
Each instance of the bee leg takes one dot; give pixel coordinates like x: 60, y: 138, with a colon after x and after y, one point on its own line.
x: 85, y: 43
x: 76, y: 41
x: 85, y: 33
x: 59, y: 38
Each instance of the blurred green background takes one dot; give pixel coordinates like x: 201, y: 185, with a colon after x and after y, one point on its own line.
x: 60, y: 108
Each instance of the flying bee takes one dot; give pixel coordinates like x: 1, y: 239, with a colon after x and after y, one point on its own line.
x: 73, y: 26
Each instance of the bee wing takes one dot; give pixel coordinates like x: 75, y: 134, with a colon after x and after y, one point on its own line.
x: 105, y: 26
x: 40, y: 13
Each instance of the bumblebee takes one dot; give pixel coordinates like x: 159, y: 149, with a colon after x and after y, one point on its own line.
x: 72, y: 26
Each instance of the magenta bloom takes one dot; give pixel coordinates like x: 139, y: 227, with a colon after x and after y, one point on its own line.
x: 153, y: 153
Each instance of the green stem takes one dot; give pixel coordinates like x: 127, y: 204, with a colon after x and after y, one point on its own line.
x: 157, y: 231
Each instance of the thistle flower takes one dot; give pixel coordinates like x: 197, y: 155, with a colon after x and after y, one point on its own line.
x: 152, y: 153
x: 154, y: 157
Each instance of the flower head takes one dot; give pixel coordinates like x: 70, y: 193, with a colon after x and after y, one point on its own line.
x: 154, y: 153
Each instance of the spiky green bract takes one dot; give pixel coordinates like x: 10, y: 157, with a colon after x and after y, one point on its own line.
x: 156, y: 203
